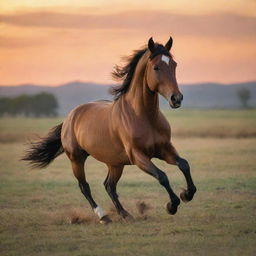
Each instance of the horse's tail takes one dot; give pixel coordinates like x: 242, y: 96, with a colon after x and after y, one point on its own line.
x: 42, y: 152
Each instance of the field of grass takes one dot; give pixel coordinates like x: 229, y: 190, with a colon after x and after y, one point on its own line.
x: 44, y: 213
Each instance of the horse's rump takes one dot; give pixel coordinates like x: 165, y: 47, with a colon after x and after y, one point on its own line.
x: 89, y: 127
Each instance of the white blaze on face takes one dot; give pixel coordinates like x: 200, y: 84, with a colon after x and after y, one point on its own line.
x: 165, y: 59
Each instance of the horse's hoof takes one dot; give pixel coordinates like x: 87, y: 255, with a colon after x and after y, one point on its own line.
x: 105, y: 220
x: 171, y: 209
x: 186, y: 195
x: 183, y: 196
x: 127, y: 217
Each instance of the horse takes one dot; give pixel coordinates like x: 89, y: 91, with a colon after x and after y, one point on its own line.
x: 130, y: 130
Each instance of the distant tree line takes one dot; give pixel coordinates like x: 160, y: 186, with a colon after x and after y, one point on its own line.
x: 42, y: 104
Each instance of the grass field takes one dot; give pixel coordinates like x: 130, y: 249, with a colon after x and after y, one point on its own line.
x: 44, y: 213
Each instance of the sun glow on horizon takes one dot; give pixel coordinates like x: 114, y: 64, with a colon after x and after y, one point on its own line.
x: 52, y: 42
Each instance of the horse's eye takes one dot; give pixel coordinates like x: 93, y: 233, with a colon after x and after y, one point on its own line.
x: 156, y: 68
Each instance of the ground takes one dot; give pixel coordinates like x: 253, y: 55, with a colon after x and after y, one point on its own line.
x: 44, y: 213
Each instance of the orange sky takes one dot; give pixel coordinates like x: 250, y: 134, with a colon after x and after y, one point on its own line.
x: 53, y: 42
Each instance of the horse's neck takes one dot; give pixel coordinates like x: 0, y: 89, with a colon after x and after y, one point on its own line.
x: 144, y: 102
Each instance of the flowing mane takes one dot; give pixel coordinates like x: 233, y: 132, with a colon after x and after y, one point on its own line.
x: 126, y: 72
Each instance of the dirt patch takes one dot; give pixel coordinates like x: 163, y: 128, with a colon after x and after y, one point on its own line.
x: 79, y: 216
x: 142, y: 207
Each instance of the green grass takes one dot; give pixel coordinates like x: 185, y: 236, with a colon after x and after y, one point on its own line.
x: 38, y: 206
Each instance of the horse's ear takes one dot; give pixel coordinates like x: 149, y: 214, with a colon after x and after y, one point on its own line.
x: 151, y: 44
x: 168, y: 45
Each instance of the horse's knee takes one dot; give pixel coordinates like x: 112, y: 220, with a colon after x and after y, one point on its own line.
x: 183, y: 165
x: 163, y: 179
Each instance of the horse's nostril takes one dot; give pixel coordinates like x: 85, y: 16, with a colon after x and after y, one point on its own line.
x: 173, y: 98
x: 176, y: 98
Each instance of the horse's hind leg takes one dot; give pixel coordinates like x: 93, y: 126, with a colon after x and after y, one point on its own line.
x: 114, y: 174
x: 78, y: 169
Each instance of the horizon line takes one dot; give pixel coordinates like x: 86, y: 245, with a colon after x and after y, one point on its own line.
x: 108, y: 84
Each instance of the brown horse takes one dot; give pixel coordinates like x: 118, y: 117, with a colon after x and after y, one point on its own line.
x: 131, y: 130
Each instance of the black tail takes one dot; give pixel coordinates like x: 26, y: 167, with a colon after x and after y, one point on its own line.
x: 41, y: 153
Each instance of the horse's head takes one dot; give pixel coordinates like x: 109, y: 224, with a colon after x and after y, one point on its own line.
x: 161, y: 73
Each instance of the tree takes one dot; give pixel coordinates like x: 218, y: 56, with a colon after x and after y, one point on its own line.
x: 21, y: 105
x: 244, y: 95
x: 42, y: 104
x: 5, y: 105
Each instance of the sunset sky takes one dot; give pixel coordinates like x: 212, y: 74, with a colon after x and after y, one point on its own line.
x: 49, y: 42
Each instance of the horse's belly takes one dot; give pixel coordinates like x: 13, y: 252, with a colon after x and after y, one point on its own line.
x: 104, y: 149
x: 111, y: 158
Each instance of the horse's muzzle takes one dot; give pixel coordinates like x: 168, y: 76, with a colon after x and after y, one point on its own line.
x: 175, y: 100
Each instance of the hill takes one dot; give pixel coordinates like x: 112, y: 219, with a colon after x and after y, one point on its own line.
x: 205, y: 95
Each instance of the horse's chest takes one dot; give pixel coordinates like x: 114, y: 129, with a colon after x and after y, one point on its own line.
x: 154, y: 148
x: 150, y: 142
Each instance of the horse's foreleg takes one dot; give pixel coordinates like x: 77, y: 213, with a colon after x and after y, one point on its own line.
x: 78, y: 169
x: 145, y: 164
x: 187, y: 194
x: 171, y: 156
x: 114, y: 174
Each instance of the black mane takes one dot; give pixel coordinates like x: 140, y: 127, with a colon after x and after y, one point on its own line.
x: 126, y: 72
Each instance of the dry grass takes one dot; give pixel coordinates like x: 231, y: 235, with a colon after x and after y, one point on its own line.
x: 185, y: 123
x: 213, y: 123
x: 44, y: 213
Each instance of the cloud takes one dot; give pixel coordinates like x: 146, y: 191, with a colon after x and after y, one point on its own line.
x: 163, y: 22
x: 15, y: 42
